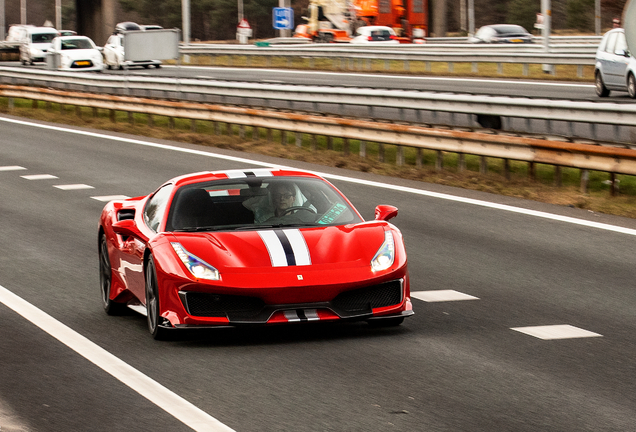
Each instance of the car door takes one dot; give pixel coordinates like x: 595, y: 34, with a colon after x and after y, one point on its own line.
x: 621, y: 59
x: 608, y: 60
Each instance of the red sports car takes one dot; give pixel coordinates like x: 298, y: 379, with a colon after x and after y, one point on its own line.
x: 248, y: 247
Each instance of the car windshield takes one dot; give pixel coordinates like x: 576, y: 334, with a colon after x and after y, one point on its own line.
x: 510, y: 30
x: 70, y: 44
x: 256, y: 203
x: 43, y: 37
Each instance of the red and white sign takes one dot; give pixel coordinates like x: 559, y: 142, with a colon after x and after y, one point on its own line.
x: 243, y: 28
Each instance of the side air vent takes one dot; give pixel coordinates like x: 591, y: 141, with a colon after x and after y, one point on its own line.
x: 125, y: 214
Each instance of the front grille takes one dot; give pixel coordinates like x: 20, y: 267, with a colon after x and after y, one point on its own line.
x: 365, y: 299
x: 217, y: 305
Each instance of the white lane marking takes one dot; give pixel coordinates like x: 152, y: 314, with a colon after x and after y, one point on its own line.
x: 299, y: 246
x: 74, y: 186
x: 274, y: 248
x: 170, y: 402
x: 441, y: 296
x: 106, y: 198
x: 550, y: 332
x: 11, y: 168
x: 400, y: 77
x: 540, y: 214
x: 39, y: 177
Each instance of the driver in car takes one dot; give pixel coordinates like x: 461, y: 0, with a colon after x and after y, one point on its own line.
x: 276, y: 204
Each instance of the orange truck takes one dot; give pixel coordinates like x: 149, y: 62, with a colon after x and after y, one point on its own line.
x: 336, y: 20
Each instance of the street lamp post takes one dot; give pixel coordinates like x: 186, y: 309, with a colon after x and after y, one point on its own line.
x: 185, y: 19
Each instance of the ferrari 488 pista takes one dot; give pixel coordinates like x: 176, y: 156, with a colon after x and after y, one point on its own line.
x: 250, y: 247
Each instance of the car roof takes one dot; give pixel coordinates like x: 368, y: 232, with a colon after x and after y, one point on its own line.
x: 262, y: 173
x: 506, y: 27
x: 41, y: 30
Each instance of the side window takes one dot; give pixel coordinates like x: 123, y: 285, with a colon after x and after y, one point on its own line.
x: 156, y: 207
x: 611, y: 41
x: 621, y: 43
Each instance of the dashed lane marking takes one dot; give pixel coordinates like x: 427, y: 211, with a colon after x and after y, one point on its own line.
x: 39, y: 177
x: 11, y: 168
x: 74, y: 186
x: 442, y: 296
x: 549, y: 332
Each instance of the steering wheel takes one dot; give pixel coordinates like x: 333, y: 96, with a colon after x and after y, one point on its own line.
x: 296, y: 208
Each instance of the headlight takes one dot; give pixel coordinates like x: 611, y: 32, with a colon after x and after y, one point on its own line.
x: 383, y: 259
x: 199, y: 268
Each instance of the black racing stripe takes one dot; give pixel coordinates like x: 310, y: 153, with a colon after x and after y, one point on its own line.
x: 249, y: 174
x: 289, y: 252
x: 301, y: 315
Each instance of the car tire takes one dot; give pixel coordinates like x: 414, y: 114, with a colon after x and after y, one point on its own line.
x: 157, y: 66
x: 387, y: 322
x: 105, y: 280
x: 631, y: 86
x: 155, y: 320
x: 601, y: 90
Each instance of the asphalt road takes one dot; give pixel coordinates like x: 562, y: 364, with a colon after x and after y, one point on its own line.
x: 454, y: 366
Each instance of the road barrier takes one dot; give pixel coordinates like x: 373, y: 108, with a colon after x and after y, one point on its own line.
x: 486, y: 145
x: 403, y: 105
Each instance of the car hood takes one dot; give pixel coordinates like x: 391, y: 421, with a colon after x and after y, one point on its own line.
x: 317, y: 248
x: 80, y: 53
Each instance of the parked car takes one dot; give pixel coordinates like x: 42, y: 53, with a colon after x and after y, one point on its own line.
x: 75, y: 53
x: 375, y: 34
x: 615, y: 67
x: 68, y: 33
x: 501, y: 33
x: 35, y: 43
x: 251, y: 247
x: 114, y: 54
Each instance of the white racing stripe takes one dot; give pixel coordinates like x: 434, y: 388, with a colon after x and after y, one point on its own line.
x: 274, y: 247
x: 545, y: 215
x: 299, y: 246
x: 170, y: 402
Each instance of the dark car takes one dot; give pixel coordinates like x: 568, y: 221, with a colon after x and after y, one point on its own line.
x: 501, y: 33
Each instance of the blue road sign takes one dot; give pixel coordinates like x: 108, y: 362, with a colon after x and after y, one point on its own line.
x: 283, y: 18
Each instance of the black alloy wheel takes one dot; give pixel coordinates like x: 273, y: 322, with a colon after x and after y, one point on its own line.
x: 155, y: 320
x: 105, y: 280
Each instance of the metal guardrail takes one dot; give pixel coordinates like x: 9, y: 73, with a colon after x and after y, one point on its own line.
x: 367, y: 102
x: 532, y: 150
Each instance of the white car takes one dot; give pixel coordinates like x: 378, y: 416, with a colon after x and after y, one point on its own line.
x: 34, y: 42
x: 375, y: 35
x: 114, y: 55
x: 615, y: 67
x: 76, y: 53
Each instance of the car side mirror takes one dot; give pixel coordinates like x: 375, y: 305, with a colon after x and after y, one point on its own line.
x: 623, y: 53
x: 385, y: 212
x: 127, y: 228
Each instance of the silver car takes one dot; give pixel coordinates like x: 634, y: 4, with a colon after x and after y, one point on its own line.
x: 615, y: 67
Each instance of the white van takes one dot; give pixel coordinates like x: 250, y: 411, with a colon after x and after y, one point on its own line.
x: 36, y: 41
